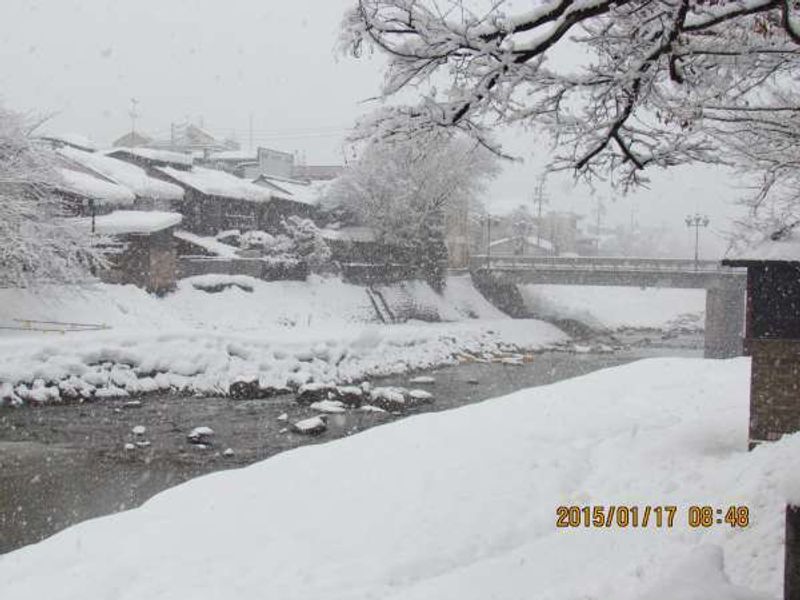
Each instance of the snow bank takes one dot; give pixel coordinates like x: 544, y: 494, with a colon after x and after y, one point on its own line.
x: 461, y: 505
x: 611, y: 307
x: 280, y: 333
x: 417, y: 300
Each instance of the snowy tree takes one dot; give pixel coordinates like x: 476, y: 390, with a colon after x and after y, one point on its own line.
x: 308, y: 243
x: 36, y: 244
x: 403, y: 188
x: 620, y: 85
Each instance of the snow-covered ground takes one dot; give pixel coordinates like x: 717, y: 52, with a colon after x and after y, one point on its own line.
x: 462, y: 505
x: 279, y: 333
x: 611, y: 307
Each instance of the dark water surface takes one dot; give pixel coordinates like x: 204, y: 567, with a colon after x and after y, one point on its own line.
x: 63, y: 464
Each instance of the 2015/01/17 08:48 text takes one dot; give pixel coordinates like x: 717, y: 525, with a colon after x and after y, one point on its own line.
x: 607, y: 516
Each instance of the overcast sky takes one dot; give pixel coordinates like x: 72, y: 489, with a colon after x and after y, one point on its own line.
x: 221, y: 62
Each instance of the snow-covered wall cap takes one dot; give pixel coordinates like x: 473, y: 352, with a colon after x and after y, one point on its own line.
x: 350, y: 234
x: 131, y: 176
x: 213, y: 182
x: 130, y: 221
x: 166, y: 157
x: 781, y: 246
x: 88, y: 186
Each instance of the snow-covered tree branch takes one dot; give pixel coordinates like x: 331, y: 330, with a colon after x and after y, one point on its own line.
x: 36, y: 244
x: 403, y: 188
x: 620, y: 85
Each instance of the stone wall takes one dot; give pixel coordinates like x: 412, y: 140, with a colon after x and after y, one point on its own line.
x: 774, y: 388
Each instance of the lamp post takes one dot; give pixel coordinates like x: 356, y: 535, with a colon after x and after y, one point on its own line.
x: 697, y: 220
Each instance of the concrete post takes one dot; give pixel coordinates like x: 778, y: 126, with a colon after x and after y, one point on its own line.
x: 725, y: 314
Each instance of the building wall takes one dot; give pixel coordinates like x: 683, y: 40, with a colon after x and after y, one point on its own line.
x: 275, y: 163
x: 148, y: 261
x: 774, y: 391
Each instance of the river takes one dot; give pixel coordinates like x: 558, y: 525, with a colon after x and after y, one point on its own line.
x: 62, y: 464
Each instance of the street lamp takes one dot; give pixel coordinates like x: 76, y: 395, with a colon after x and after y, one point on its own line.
x: 697, y: 220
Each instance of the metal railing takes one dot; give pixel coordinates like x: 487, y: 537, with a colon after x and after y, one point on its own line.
x: 598, y: 263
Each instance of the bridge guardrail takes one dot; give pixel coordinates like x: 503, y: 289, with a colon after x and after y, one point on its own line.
x: 585, y: 263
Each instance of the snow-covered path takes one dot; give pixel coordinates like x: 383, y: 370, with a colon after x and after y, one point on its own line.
x: 461, y: 505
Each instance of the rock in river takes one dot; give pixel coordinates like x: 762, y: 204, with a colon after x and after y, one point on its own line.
x: 312, y: 426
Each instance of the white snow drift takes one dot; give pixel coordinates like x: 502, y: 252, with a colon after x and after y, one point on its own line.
x: 461, y: 505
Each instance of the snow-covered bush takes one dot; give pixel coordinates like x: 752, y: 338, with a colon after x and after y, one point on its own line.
x: 36, y: 243
x: 308, y: 243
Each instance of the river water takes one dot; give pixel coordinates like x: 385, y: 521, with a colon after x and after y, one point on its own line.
x: 63, y: 464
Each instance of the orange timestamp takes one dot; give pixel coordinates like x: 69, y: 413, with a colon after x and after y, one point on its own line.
x: 608, y: 516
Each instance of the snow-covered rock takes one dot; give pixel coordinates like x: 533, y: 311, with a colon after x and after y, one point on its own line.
x: 139, y: 430
x: 228, y: 453
x: 417, y: 397
x: 422, y: 380
x: 283, y: 417
x: 245, y: 389
x: 388, y: 398
x: 350, y: 395
x: 201, y: 435
x: 314, y: 392
x: 312, y: 426
x: 328, y: 406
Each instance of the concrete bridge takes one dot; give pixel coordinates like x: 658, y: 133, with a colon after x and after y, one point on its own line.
x: 498, y: 277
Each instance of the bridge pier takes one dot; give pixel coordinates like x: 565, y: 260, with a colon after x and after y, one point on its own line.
x: 725, y: 315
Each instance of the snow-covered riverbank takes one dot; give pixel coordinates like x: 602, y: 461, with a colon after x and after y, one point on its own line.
x: 281, y: 333
x: 463, y: 505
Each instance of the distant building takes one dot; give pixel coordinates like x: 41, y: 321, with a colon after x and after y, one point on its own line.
x: 132, y: 140
x: 316, y: 172
x: 216, y: 201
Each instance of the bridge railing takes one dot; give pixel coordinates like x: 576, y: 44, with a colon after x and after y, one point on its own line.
x: 598, y: 263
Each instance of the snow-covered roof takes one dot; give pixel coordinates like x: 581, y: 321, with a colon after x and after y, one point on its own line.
x: 130, y: 221
x: 72, y: 139
x: 240, y: 155
x: 210, y: 244
x: 786, y: 248
x: 166, y: 157
x: 213, y: 182
x: 131, y: 176
x: 298, y: 191
x: 349, y: 234
x: 88, y: 186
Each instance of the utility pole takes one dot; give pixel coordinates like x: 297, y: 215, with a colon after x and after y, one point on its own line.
x: 539, y: 199
x: 250, y: 132
x: 601, y: 209
x: 133, y: 113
